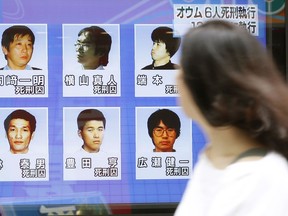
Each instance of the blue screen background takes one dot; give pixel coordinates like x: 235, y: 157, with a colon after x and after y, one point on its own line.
x: 127, y: 13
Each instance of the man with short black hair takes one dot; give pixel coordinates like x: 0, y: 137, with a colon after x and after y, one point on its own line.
x: 91, y: 126
x: 17, y: 46
x: 165, y: 45
x: 164, y: 128
x: 20, y: 126
x: 92, y: 48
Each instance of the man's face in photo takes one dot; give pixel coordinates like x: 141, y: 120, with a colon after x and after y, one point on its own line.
x: 159, y: 51
x: 92, y: 135
x: 163, y: 138
x: 85, y: 50
x: 19, y: 136
x: 20, y: 52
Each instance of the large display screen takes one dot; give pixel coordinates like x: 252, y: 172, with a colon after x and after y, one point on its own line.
x: 89, y: 114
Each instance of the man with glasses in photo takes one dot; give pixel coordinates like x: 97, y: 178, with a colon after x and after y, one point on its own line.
x: 164, y: 128
x: 92, y: 48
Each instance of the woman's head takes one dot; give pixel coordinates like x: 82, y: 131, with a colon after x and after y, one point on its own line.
x: 232, y: 79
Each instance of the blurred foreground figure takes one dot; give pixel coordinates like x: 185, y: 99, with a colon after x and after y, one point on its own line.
x: 231, y: 87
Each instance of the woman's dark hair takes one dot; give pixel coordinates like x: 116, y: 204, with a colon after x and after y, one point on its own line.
x: 234, y: 82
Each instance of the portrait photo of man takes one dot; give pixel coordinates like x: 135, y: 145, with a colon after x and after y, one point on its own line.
x: 164, y: 128
x: 18, y: 46
x: 165, y: 45
x: 161, y: 133
x: 92, y: 48
x: 20, y: 127
x: 91, y: 127
x: 91, y: 139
